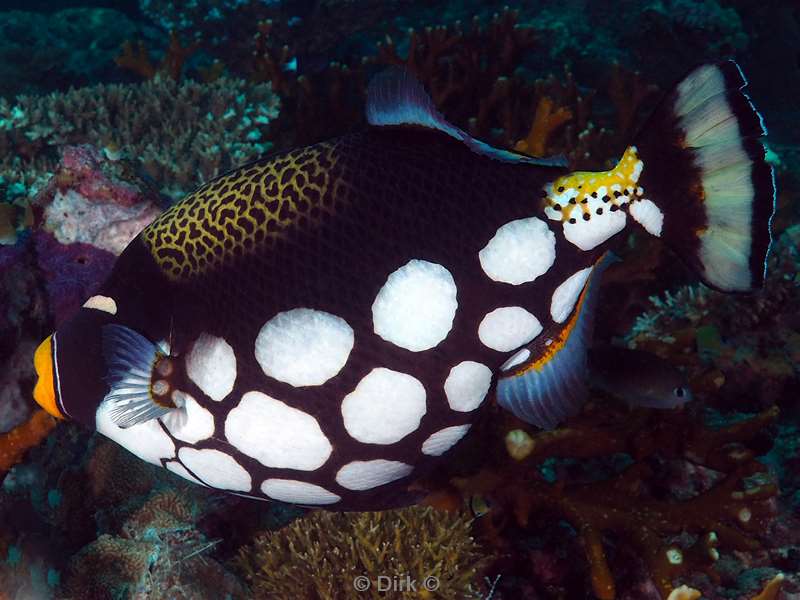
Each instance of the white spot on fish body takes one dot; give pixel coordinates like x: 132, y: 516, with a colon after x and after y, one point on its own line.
x: 416, y: 306
x: 466, y: 385
x: 648, y: 215
x: 365, y: 475
x: 384, y: 407
x: 517, y: 359
x: 440, y: 442
x: 190, y: 423
x: 566, y: 295
x: 211, y: 364
x: 519, y: 252
x: 216, y: 469
x: 275, y: 434
x: 304, y: 347
x: 103, y: 303
x: 590, y: 234
x: 179, y: 469
x: 146, y: 440
x: 298, y: 492
x: 507, y: 328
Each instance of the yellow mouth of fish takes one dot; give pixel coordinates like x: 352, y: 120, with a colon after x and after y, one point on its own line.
x: 45, y: 390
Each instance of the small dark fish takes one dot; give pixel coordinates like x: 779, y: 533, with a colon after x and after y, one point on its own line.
x: 637, y: 377
x: 479, y: 506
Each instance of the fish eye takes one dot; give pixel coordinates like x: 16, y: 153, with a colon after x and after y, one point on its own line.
x: 679, y: 392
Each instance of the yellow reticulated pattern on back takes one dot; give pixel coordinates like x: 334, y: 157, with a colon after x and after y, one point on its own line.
x: 585, y: 194
x: 236, y: 213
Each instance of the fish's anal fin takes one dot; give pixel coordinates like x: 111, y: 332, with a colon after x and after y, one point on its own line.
x: 592, y: 205
x: 132, y: 362
x: 545, y: 382
x: 396, y: 98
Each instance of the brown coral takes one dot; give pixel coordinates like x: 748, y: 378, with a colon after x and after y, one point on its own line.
x: 728, y: 514
x: 15, y: 443
x: 110, y: 565
x: 269, y: 62
x: 546, y: 120
x: 459, y: 67
x: 329, y: 556
x: 136, y: 58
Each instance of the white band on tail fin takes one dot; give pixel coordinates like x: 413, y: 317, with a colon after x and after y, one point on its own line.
x: 705, y: 171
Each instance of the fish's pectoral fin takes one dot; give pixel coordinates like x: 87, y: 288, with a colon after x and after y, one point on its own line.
x: 395, y: 98
x: 130, y: 359
x: 544, y: 383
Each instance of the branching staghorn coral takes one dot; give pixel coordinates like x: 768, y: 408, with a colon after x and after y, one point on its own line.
x: 545, y: 121
x: 136, y: 59
x: 321, y: 557
x: 678, y: 527
x: 471, y: 75
x: 183, y: 133
x: 15, y: 443
x: 461, y: 66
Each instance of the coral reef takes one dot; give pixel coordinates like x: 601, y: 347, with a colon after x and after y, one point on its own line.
x: 16, y: 384
x: 182, y: 133
x: 42, y: 52
x: 70, y: 273
x: 545, y: 121
x: 26, y: 573
x: 124, y: 527
x: 89, y: 210
x: 473, y: 76
x: 203, y: 16
x: 342, y: 555
x: 635, y: 505
x: 137, y: 59
x: 15, y: 443
x: 758, y: 331
x: 577, y: 31
x: 681, y: 479
x: 97, y: 200
x: 158, y: 554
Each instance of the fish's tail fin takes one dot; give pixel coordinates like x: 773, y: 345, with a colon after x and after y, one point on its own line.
x: 706, y: 186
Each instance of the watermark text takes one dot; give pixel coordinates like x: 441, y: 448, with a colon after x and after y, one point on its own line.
x: 395, y: 583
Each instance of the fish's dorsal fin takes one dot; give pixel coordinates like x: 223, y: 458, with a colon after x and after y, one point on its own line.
x: 544, y: 382
x: 395, y: 98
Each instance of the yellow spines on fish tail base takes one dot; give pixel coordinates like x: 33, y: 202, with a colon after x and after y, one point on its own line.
x: 234, y: 214
x: 583, y: 194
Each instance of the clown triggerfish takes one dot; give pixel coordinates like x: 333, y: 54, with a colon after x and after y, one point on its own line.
x: 321, y: 326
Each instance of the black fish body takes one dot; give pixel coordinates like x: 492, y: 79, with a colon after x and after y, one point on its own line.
x: 423, y: 196
x: 321, y: 326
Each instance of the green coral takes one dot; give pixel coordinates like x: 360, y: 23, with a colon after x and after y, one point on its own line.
x: 183, y: 133
x: 333, y: 556
x: 158, y: 553
x: 723, y: 25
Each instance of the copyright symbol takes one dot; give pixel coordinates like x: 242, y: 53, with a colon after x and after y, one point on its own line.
x: 431, y: 583
x: 361, y: 583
